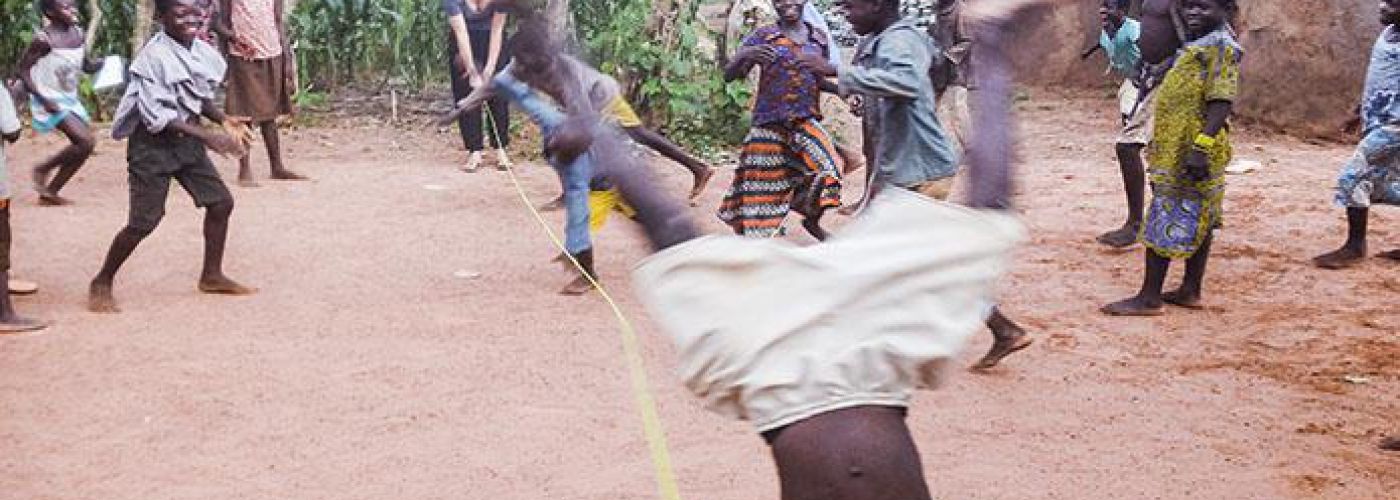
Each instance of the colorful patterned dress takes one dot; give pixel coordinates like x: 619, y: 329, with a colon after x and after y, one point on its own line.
x: 1184, y: 211
x: 788, y: 156
x: 1373, y: 173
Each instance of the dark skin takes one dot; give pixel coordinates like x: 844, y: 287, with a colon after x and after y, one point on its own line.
x: 10, y: 320
x: 270, y: 133
x: 63, y: 33
x: 861, y: 453
x: 1201, y: 17
x: 1129, y: 154
x: 1354, y: 249
x: 868, y: 18
x: 181, y: 22
x: 791, y: 24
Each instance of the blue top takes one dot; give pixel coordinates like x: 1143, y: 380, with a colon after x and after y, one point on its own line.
x: 787, y: 92
x: 814, y: 18
x: 891, y: 72
x: 1122, y: 49
x: 1379, y: 103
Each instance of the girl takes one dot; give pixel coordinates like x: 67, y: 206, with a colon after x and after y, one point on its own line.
x: 788, y: 160
x: 1190, y: 149
x: 477, y: 53
x: 261, y: 75
x: 50, y: 70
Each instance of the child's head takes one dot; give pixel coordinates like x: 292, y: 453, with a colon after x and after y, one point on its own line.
x: 1390, y: 12
x: 789, y: 11
x: 1204, y: 16
x: 869, y: 16
x: 181, y: 19
x: 1113, y: 12
x: 60, y: 12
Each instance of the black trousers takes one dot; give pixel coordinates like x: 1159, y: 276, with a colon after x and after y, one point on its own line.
x: 472, y: 125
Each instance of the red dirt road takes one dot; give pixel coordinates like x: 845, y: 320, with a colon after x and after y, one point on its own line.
x: 407, y: 343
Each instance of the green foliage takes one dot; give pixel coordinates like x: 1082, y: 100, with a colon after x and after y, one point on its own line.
x: 22, y: 20
x: 339, y: 41
x: 681, y: 88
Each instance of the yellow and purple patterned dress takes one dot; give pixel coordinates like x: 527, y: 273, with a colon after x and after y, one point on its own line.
x: 1184, y: 211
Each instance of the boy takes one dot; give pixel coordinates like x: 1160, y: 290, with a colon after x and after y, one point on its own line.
x: 911, y: 150
x: 10, y: 321
x: 1372, y: 176
x: 261, y: 76
x: 173, y: 79
x: 953, y: 74
x: 1136, y: 103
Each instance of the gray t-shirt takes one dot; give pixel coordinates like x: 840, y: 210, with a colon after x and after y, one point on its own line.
x: 9, y: 124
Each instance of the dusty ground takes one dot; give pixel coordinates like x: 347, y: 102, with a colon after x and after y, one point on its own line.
x: 377, y: 363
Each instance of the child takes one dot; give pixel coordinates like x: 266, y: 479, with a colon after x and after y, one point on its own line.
x: 1372, y: 176
x: 50, y: 70
x: 261, y: 76
x: 10, y: 321
x: 788, y: 160
x: 1119, y: 41
x: 827, y: 381
x: 173, y: 79
x: 911, y: 149
x: 1190, y: 149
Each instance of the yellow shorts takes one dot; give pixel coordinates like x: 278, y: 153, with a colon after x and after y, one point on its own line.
x: 619, y: 110
x: 602, y: 204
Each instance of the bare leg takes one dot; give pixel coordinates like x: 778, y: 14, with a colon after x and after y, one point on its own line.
x: 212, y: 278
x: 1189, y: 295
x: 67, y: 161
x: 698, y: 169
x: 11, y: 321
x: 1134, y: 181
x: 274, y: 153
x: 1148, y: 301
x: 245, y: 172
x: 100, y: 299
x: 862, y: 453
x: 1354, y: 250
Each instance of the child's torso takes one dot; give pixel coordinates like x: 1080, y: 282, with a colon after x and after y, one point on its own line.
x: 56, y: 74
x: 787, y: 91
x: 1380, y: 103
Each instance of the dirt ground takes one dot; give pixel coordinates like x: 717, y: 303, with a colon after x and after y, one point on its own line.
x: 407, y: 343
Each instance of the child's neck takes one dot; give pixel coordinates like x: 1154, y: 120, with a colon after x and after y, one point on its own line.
x: 1205, y: 31
x: 57, y: 25
x: 1392, y: 32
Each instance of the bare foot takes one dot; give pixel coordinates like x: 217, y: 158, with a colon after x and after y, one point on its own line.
x: 53, y: 200
x: 578, y: 286
x: 223, y: 286
x: 1342, y: 258
x: 287, y: 175
x: 248, y: 182
x: 1122, y: 237
x: 702, y: 180
x: 1391, y: 443
x: 1183, y: 299
x: 21, y: 324
x: 1135, y: 306
x: 1392, y: 255
x: 100, y: 298
x: 1003, y: 346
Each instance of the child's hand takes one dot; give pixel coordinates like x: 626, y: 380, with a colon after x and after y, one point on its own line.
x: 1197, y: 166
x: 226, y: 145
x: 238, y: 129
x: 857, y: 104
x: 1352, y: 125
x: 763, y: 54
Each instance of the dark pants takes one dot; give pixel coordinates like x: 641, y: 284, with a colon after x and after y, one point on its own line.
x: 5, y: 237
x: 153, y: 160
x: 472, y: 126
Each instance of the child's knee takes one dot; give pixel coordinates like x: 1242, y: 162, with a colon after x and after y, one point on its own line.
x: 221, y: 209
x: 140, y: 230
x: 86, y: 145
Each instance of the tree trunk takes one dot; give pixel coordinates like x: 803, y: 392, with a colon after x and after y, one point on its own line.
x: 141, y: 25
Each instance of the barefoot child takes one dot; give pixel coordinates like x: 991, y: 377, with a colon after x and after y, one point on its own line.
x: 10, y: 321
x: 827, y: 382
x: 789, y: 160
x: 260, y: 76
x: 173, y: 79
x: 1372, y: 176
x: 1190, y: 149
x: 1119, y: 41
x: 50, y: 69
x: 911, y: 149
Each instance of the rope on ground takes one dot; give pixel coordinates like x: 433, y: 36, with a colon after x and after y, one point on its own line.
x: 631, y: 348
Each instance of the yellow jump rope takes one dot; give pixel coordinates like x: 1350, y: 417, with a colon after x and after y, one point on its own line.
x: 631, y: 349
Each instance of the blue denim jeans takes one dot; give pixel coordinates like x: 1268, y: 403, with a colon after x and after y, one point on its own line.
x: 574, y: 176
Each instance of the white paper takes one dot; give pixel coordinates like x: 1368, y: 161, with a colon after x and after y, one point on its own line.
x: 112, y: 73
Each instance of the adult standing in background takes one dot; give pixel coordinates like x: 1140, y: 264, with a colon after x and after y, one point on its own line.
x: 477, y: 51
x: 261, y: 76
